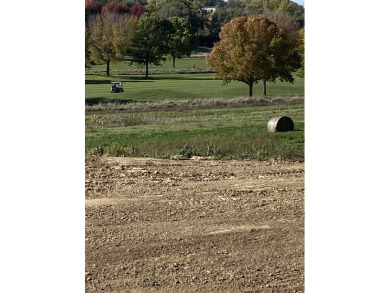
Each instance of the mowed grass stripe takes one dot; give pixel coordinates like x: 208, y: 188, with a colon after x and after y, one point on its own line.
x: 184, y: 86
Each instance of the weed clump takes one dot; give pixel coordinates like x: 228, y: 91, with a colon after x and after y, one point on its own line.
x: 188, y: 152
x: 97, y: 151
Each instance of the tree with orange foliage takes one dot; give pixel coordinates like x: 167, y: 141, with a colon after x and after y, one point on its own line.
x: 254, y: 48
x: 110, y: 36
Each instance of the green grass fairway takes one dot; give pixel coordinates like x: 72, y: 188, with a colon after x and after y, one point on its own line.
x: 179, y: 86
x: 166, y: 83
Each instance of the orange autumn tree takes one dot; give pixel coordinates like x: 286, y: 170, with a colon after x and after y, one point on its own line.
x: 254, y: 48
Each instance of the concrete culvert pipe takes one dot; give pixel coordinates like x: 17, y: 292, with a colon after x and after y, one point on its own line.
x: 280, y: 124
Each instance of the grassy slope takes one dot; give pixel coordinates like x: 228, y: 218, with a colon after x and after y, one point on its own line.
x: 232, y: 133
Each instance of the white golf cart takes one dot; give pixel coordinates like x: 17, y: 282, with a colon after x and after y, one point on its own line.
x: 116, y: 87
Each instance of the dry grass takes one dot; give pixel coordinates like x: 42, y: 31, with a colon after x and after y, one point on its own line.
x: 131, y: 119
x: 189, y: 104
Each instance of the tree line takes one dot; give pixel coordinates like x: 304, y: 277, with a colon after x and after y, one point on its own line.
x: 250, y: 47
x: 206, y: 25
x: 114, y: 30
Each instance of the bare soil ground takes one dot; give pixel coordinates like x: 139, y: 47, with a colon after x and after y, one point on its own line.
x: 193, y: 225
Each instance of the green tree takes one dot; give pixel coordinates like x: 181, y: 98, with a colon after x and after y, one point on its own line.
x: 182, y: 41
x: 292, y: 61
x: 191, y: 10
x: 251, y: 49
x: 154, y: 5
x: 151, y: 41
x: 226, y: 11
x: 110, y: 36
x: 174, y: 8
x: 87, y: 51
x: 301, y: 51
x: 293, y: 9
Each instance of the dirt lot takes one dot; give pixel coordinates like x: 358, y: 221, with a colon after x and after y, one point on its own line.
x: 193, y: 225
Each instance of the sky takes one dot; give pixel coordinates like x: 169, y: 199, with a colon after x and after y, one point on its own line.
x: 300, y: 2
